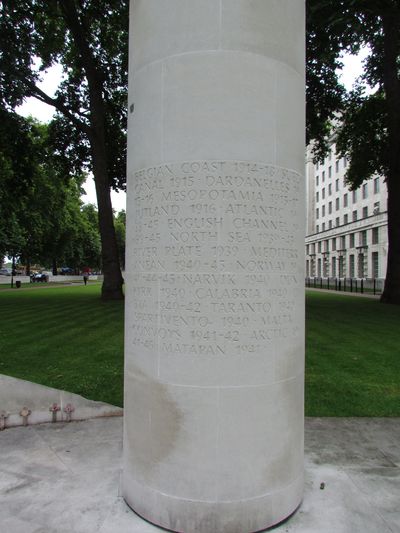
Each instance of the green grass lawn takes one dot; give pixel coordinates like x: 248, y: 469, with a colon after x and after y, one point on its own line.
x: 69, y: 339
x: 65, y: 338
x: 353, y: 356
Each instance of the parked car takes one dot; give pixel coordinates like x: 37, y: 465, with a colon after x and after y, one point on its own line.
x: 39, y: 277
x: 5, y: 272
x: 65, y: 271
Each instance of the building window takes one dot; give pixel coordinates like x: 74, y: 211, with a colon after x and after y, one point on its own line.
x: 337, y: 221
x: 337, y: 204
x: 352, y: 266
x: 323, y: 226
x: 354, y: 215
x: 334, y: 267
x: 330, y: 172
x: 376, y: 185
x: 377, y: 208
x: 341, y: 267
x: 323, y: 210
x: 317, y: 196
x: 344, y: 162
x: 352, y: 240
x: 363, y: 238
x: 326, y: 246
x: 346, y: 219
x: 308, y: 249
x: 354, y: 197
x: 319, y: 247
x: 336, y: 185
x: 317, y: 228
x: 334, y: 245
x: 317, y: 213
x: 330, y: 224
x: 345, y: 200
x: 330, y: 208
x: 343, y: 242
x: 375, y: 265
x: 323, y: 176
x: 330, y: 189
x: 317, y: 180
x: 337, y: 166
x: 323, y: 193
x: 326, y: 267
x: 365, y: 191
x: 330, y: 155
x: 319, y: 268
x: 365, y: 212
x: 375, y: 235
x: 317, y: 165
x: 361, y: 266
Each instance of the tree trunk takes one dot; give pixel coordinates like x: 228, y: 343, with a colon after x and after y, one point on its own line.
x: 391, y: 292
x: 391, y: 21
x: 112, y: 284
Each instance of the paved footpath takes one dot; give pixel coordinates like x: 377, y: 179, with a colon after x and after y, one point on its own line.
x: 345, y: 293
x: 65, y: 478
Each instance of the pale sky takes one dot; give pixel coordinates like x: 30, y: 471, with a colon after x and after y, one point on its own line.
x: 352, y: 69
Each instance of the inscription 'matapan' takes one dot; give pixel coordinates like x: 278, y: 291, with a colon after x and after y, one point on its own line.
x: 221, y: 241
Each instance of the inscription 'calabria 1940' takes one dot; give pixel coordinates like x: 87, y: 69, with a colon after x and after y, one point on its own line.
x: 222, y: 240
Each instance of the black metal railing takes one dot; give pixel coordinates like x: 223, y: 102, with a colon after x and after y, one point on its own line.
x: 357, y: 285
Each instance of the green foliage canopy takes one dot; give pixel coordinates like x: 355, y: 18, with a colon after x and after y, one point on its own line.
x: 89, y: 39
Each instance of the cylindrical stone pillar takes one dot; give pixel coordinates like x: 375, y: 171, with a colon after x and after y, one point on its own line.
x: 215, y: 284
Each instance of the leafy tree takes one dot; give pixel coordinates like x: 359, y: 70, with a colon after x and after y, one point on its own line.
x: 16, y: 174
x: 71, y: 236
x: 369, y: 131
x: 120, y: 230
x: 91, y: 237
x: 83, y: 246
x: 43, y: 219
x: 89, y: 39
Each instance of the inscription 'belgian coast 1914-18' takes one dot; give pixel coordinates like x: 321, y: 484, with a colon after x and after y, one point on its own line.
x: 216, y: 253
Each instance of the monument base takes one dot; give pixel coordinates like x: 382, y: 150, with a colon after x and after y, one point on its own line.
x: 191, y: 516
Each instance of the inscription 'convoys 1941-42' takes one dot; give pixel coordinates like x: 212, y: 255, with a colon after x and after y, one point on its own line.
x: 221, y: 241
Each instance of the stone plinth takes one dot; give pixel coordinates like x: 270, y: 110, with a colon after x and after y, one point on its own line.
x: 215, y: 284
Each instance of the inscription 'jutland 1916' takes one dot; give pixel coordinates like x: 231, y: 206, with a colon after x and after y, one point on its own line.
x: 210, y: 228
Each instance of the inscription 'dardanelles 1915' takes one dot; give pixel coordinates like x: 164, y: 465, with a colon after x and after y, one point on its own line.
x: 216, y: 248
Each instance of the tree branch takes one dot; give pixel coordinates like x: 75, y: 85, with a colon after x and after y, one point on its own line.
x: 54, y: 102
x: 69, y: 10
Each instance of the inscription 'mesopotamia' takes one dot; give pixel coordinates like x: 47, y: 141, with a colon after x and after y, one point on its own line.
x: 216, y: 246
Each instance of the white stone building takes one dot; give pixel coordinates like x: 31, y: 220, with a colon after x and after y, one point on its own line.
x: 346, y: 234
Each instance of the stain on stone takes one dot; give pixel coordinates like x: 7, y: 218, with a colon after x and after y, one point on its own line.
x: 20, y: 486
x: 154, y: 422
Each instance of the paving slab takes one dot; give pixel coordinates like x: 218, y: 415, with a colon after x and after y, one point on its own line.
x: 65, y: 478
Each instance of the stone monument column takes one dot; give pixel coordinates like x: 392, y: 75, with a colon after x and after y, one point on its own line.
x: 215, y: 284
